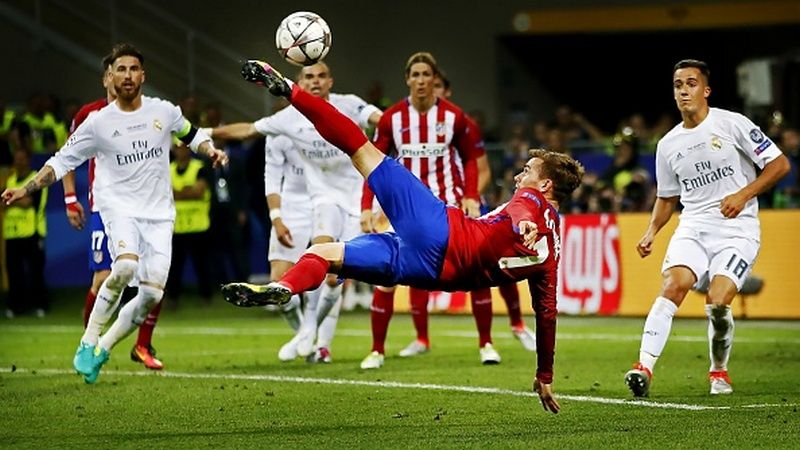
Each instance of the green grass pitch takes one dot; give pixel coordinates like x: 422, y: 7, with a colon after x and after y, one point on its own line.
x: 224, y: 387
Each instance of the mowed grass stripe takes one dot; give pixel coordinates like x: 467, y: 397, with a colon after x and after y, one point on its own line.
x: 166, y: 330
x: 400, y: 385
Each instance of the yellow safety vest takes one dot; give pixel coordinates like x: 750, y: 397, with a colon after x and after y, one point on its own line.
x: 8, y: 119
x: 38, y: 126
x: 191, y: 216
x: 21, y: 222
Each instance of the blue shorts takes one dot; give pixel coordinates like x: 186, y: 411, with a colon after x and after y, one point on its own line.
x: 414, y: 253
x: 99, y: 258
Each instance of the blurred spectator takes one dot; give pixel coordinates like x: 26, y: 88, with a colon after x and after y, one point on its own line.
x: 575, y: 127
x: 7, y: 120
x: 189, y: 108
x: 787, y: 191
x: 24, y: 230
x: 626, y: 159
x: 191, y: 189
x: 556, y: 142
x: 48, y: 134
x: 541, y: 130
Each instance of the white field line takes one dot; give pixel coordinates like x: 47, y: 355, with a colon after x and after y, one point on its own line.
x: 399, y: 385
x: 283, y: 331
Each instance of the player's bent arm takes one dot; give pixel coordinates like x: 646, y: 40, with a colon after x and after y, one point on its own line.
x: 484, y: 172
x: 662, y: 212
x: 772, y: 173
x: 375, y: 117
x: 235, y: 131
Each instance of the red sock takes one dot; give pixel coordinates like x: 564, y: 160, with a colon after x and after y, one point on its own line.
x: 482, y: 311
x: 419, y: 313
x: 88, y: 306
x: 335, y: 127
x: 510, y: 294
x: 307, y: 274
x: 146, y: 330
x: 380, y: 315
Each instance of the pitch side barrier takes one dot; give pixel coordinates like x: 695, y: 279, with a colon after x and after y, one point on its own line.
x: 601, y: 273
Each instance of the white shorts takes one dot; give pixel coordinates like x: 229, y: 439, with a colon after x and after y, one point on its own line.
x: 331, y: 220
x: 300, y: 227
x: 150, y: 240
x: 709, y: 251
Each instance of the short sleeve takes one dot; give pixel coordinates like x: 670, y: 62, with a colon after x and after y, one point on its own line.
x: 80, y: 146
x: 268, y: 125
x: 751, y: 141
x: 666, y: 179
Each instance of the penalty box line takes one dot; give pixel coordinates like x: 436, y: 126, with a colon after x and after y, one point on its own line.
x: 400, y: 385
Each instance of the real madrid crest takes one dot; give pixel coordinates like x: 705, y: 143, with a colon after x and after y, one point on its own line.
x: 157, y: 124
x: 716, y: 143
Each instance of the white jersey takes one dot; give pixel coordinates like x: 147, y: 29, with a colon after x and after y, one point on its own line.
x: 706, y: 163
x: 131, y: 151
x: 330, y: 176
x: 284, y: 175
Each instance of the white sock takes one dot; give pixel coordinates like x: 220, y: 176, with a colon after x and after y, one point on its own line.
x: 131, y: 316
x: 328, y: 298
x: 291, y: 312
x: 720, y: 336
x: 328, y: 326
x: 310, y: 308
x: 107, y: 301
x: 656, y: 331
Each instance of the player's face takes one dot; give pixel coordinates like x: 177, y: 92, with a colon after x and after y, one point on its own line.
x: 439, y: 90
x: 691, y: 90
x: 530, y: 177
x: 108, y: 84
x: 316, y: 79
x: 420, y: 80
x: 128, y: 76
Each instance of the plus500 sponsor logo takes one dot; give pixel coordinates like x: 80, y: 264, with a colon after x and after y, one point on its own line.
x: 590, y: 273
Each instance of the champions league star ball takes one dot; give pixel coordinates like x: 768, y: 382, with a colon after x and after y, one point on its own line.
x: 303, y: 38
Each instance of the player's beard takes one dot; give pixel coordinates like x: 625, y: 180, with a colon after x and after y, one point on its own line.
x: 128, y: 95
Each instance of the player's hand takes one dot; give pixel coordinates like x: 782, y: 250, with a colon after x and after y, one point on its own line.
x: 75, y: 215
x: 471, y: 207
x: 645, y: 245
x: 282, y: 232
x: 12, y: 195
x: 368, y: 221
x: 546, y: 396
x: 733, y: 204
x: 218, y: 157
x: 529, y: 232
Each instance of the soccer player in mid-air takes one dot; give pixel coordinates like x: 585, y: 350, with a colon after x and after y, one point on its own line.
x: 708, y: 162
x: 130, y: 140
x: 334, y: 187
x: 433, y: 246
x: 99, y: 257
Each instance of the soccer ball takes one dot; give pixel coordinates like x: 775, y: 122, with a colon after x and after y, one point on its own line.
x: 303, y: 38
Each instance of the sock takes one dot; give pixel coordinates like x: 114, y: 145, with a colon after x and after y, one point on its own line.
x: 107, y: 300
x: 380, y: 313
x: 145, y: 337
x: 310, y: 311
x: 88, y: 306
x: 720, y: 336
x: 131, y: 316
x: 291, y: 312
x: 332, y: 125
x: 307, y: 274
x: 327, y: 299
x: 419, y: 313
x: 328, y: 326
x: 510, y: 295
x: 656, y: 331
x: 481, y: 300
